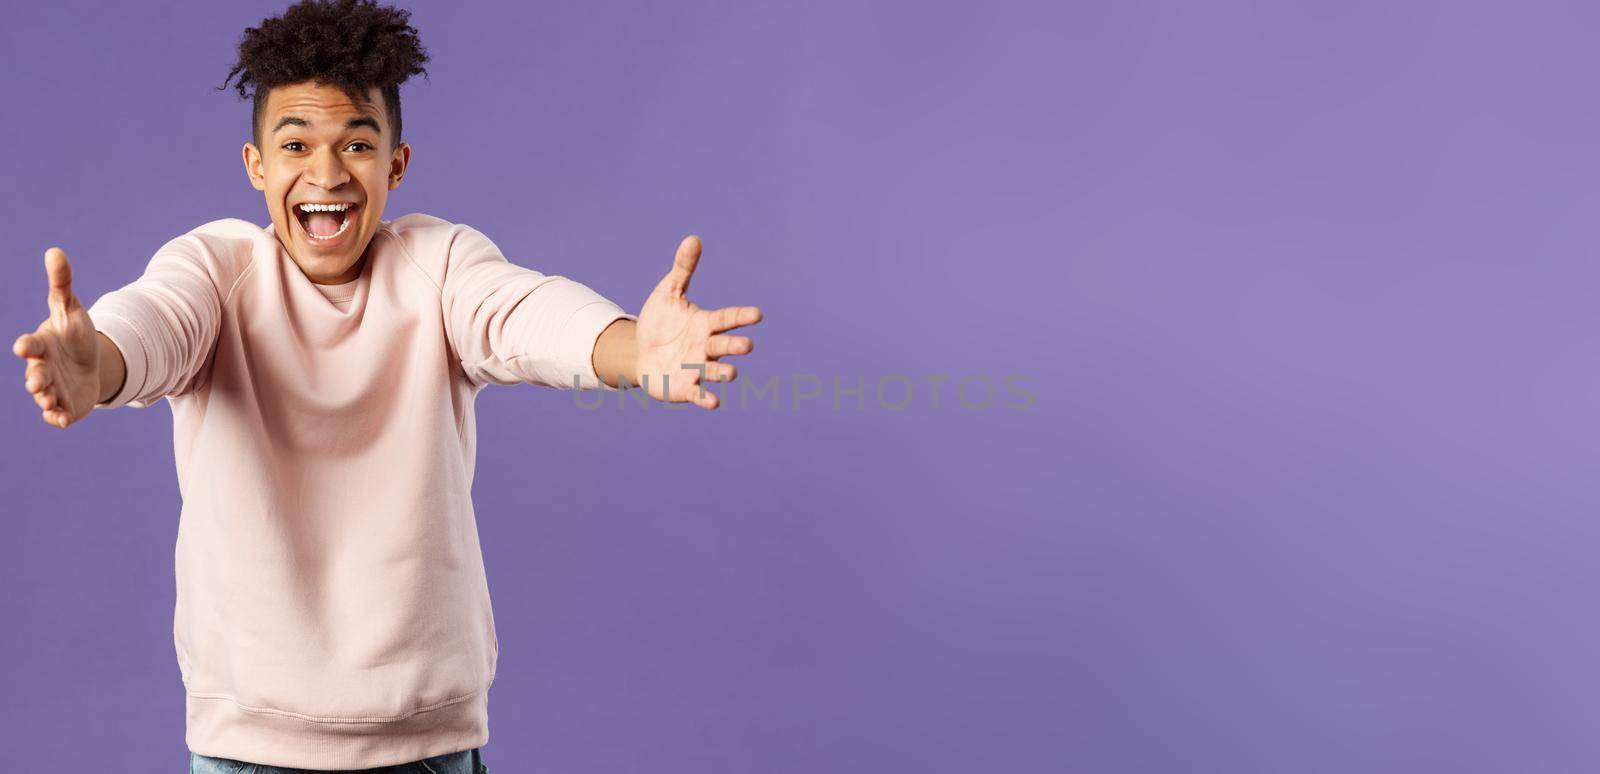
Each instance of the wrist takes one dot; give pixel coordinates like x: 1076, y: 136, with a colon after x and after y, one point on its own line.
x: 110, y: 370
x: 616, y: 354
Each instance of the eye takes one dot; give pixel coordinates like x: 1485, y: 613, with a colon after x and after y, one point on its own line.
x: 291, y: 150
x: 358, y: 142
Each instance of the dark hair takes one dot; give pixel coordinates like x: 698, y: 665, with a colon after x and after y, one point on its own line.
x: 354, y: 45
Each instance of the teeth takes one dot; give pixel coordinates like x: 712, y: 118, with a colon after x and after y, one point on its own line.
x: 309, y: 207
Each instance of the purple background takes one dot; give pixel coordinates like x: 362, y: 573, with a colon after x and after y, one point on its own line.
x: 1306, y: 295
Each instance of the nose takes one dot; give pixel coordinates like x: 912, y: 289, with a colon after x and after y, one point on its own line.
x: 326, y: 170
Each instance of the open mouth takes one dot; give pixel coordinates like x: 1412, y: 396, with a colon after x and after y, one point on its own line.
x: 325, y: 223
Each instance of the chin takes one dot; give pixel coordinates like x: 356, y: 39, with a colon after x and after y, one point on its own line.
x: 323, y: 268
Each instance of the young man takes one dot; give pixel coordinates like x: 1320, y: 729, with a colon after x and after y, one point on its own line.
x: 332, y: 609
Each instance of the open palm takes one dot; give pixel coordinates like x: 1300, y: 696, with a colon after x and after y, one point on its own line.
x: 63, y: 370
x: 682, y: 342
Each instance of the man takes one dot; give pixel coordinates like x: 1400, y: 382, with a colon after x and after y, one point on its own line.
x: 332, y: 608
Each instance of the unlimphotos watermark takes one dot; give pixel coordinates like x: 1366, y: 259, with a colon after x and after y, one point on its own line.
x: 892, y: 392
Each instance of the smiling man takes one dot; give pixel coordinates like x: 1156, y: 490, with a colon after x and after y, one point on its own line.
x: 332, y: 608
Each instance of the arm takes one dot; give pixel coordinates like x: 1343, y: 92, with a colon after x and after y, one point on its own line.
x: 162, y: 325
x: 510, y: 324
x: 146, y: 340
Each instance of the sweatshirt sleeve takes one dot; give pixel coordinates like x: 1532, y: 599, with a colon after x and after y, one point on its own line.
x: 511, y: 325
x: 164, y: 323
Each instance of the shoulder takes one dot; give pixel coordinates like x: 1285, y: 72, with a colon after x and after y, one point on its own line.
x: 419, y: 232
x: 230, y: 230
x: 417, y: 224
x: 433, y: 244
x: 224, y: 249
x: 231, y: 241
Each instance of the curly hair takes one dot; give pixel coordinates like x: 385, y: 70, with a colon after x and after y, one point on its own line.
x: 353, y: 45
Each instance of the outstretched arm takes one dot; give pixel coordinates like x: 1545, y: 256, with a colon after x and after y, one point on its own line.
x: 71, y: 365
x: 509, y: 324
x: 675, y: 344
x: 135, y: 345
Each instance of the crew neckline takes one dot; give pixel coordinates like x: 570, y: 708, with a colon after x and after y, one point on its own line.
x: 341, y: 292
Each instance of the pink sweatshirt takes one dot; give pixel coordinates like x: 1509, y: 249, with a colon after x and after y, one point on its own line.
x: 332, y: 608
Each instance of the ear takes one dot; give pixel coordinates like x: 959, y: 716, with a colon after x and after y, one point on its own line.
x: 252, y: 167
x: 398, y: 164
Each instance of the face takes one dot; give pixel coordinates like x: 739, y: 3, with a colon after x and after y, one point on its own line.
x: 319, y: 148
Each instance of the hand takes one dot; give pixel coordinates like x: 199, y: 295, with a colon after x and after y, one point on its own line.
x: 63, y: 371
x: 673, y: 333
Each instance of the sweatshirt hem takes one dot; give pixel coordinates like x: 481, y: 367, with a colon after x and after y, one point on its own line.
x: 219, y: 727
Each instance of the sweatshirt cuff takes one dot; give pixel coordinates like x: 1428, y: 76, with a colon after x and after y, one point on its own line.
x: 582, y: 332
x: 122, y: 334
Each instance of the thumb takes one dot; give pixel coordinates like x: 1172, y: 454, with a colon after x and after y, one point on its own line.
x: 676, y: 283
x: 56, y: 267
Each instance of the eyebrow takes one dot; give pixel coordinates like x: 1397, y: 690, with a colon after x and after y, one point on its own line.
x: 353, y: 123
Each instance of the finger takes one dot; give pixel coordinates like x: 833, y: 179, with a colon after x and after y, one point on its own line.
x: 676, y: 283
x: 719, y: 372
x: 36, y: 377
x: 57, y: 418
x: 46, y: 400
x: 730, y: 317
x: 28, y: 345
x: 706, y: 399
x: 59, y: 271
x: 720, y: 346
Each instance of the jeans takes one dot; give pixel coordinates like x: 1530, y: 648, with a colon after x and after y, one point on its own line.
x: 464, y: 762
